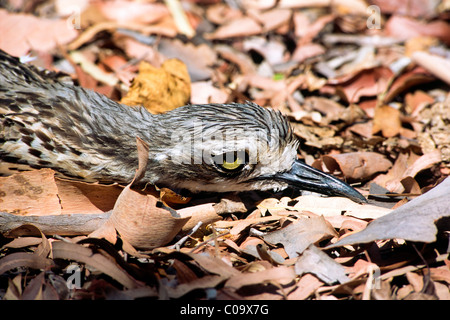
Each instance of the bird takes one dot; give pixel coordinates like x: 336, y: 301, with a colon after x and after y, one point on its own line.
x: 48, y: 122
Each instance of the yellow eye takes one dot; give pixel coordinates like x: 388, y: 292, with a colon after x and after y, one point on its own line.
x: 231, y: 161
x: 231, y: 165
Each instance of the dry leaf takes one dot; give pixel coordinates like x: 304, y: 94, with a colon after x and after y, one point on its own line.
x: 434, y: 64
x: 24, y: 32
x: 315, y: 261
x: 355, y: 165
x: 414, y: 221
x: 30, y: 193
x: 135, y: 12
x: 25, y: 260
x: 297, y: 236
x: 142, y: 222
x: 72, y: 251
x: 198, y: 59
x: 80, y: 197
x: 273, y: 19
x: 387, y: 120
x: 204, y: 92
x: 160, y: 90
x: 406, y: 28
x: 281, y: 274
x: 240, y: 27
x: 364, y: 83
x: 337, y: 206
x: 306, y: 286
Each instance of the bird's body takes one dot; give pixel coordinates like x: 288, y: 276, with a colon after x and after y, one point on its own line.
x: 45, y: 122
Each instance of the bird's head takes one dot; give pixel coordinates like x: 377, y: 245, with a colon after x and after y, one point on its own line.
x: 234, y: 147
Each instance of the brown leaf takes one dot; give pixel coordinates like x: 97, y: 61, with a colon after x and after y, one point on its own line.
x: 71, y: 251
x: 142, y: 222
x: 160, y: 90
x: 363, y: 83
x: 297, y: 236
x: 214, y: 265
x: 23, y: 259
x: 307, y: 51
x: 240, y: 27
x: 23, y: 32
x: 356, y: 165
x: 408, y: 8
x: 208, y: 281
x: 434, y: 64
x: 30, y: 193
x: 414, y: 221
x: 205, y: 213
x: 406, y: 80
x: 306, y: 286
x: 317, y: 262
x: 33, y: 291
x: 281, y: 274
x: 387, y: 120
x: 204, y: 92
x: 86, y: 198
x: 273, y: 19
x: 135, y: 12
x: 406, y: 28
x: 198, y: 59
x: 338, y: 206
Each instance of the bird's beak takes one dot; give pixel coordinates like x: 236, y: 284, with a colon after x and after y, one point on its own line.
x: 305, y: 177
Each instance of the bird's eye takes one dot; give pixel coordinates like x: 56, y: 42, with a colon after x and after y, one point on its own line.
x: 232, y: 161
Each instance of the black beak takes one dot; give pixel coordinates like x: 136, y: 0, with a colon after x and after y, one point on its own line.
x: 305, y: 177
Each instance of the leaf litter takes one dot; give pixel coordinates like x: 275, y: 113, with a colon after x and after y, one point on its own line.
x: 370, y: 105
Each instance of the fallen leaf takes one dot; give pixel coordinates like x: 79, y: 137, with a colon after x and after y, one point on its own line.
x: 338, y: 206
x: 140, y: 218
x: 273, y: 18
x: 306, y: 286
x: 204, y: 213
x: 364, y: 83
x: 240, y: 27
x: 408, y: 79
x: 404, y: 28
x: 24, y: 32
x: 136, y: 12
x: 80, y: 197
x: 387, y: 120
x: 409, y: 8
x: 160, y: 90
x: 214, y: 265
x: 204, y: 92
x: 434, y: 64
x: 355, y: 165
x: 317, y: 262
x: 72, y: 251
x: 297, y: 236
x: 205, y: 282
x: 281, y: 274
x: 30, y: 193
x: 307, y: 51
x: 198, y: 59
x: 33, y: 291
x: 23, y: 259
x: 414, y: 221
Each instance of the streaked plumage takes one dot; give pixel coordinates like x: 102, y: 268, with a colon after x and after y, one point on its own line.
x: 83, y: 135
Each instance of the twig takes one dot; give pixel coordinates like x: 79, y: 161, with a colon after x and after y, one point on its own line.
x: 180, y: 242
x: 180, y: 18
